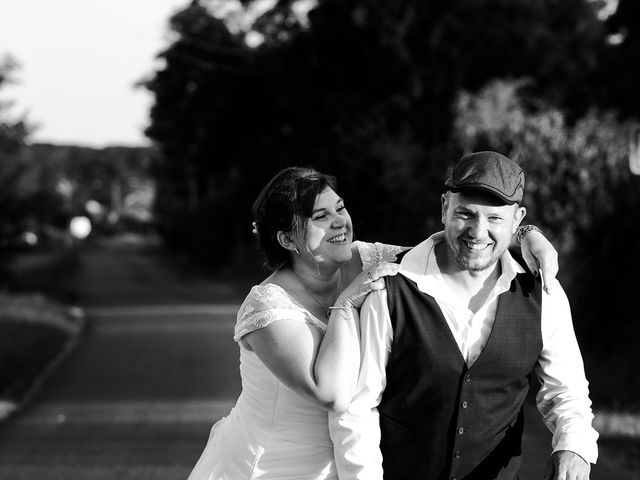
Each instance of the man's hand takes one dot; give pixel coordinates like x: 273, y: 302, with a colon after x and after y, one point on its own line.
x: 566, y: 465
x: 541, y: 258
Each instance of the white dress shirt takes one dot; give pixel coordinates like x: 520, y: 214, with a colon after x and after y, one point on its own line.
x: 563, y: 398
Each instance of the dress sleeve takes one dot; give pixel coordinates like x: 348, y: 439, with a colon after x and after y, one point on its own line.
x: 266, y: 304
x: 372, y: 253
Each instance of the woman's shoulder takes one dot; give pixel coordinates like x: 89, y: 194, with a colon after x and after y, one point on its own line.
x: 372, y: 253
x: 263, y: 305
x: 265, y: 296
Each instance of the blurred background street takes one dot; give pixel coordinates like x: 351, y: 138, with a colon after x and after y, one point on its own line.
x: 156, y: 366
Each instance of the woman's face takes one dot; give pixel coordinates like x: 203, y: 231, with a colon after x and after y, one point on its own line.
x: 329, y: 230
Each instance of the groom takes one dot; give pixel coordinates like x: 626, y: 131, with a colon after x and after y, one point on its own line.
x: 449, y: 346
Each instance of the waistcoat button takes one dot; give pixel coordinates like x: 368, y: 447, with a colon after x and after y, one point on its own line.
x: 465, y: 404
x: 457, y: 454
x: 467, y: 378
x: 460, y: 430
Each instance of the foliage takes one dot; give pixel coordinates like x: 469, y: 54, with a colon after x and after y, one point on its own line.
x: 619, y: 73
x: 43, y: 186
x: 386, y: 95
x: 13, y: 130
x: 580, y: 191
x: 89, y: 170
x: 14, y: 167
x: 573, y: 170
x: 370, y: 91
x: 363, y: 89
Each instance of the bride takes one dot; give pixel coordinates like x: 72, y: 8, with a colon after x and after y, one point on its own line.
x: 298, y: 333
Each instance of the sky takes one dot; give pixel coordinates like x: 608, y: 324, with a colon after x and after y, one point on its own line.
x: 79, y: 61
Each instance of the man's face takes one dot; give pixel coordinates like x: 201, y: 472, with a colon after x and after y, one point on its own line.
x: 478, y: 228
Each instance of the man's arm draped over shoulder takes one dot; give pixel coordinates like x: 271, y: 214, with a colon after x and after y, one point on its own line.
x: 356, y: 432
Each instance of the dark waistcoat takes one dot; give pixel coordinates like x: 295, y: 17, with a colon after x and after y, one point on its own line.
x: 441, y: 420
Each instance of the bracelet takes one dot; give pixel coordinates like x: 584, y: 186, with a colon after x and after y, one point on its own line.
x: 331, y: 309
x: 340, y: 308
x: 346, y: 309
x: 344, y: 305
x: 523, y: 231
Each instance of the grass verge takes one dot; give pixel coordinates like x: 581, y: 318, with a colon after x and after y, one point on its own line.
x: 623, y: 452
x: 619, y: 441
x: 35, y: 334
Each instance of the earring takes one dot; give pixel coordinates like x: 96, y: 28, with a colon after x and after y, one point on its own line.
x: 296, y: 250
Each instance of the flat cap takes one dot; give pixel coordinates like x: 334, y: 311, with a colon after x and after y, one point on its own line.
x: 491, y: 172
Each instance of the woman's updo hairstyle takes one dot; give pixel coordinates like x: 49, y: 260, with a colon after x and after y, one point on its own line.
x: 284, y: 204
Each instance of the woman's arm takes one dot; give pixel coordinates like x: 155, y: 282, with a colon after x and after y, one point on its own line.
x: 289, y: 349
x: 338, y: 360
x: 538, y: 253
x: 323, y: 369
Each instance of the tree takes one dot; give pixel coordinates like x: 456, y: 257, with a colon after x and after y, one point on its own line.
x: 363, y: 89
x: 580, y: 191
x: 620, y: 73
x: 14, y: 132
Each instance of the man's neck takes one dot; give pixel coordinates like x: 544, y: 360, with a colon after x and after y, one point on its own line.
x: 472, y: 287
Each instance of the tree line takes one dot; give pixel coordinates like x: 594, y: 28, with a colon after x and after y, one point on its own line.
x: 42, y: 186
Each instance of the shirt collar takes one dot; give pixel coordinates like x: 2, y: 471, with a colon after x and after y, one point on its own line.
x: 419, y: 264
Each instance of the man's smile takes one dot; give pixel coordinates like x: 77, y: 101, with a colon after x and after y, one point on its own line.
x: 477, y: 246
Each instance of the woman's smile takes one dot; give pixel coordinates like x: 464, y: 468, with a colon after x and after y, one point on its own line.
x: 340, y: 238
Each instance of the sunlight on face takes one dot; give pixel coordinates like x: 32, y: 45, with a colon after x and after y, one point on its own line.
x: 478, y: 228
x: 329, y: 230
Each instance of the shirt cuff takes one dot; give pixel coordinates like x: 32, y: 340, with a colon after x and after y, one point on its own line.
x: 581, y: 443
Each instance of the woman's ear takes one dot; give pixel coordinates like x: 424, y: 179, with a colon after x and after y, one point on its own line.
x: 285, y: 239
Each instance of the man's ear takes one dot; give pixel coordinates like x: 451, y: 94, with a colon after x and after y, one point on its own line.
x: 444, y: 204
x: 518, y: 216
x: 286, y: 241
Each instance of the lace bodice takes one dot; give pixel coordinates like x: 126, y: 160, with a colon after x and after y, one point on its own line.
x: 267, y: 303
x: 270, y: 302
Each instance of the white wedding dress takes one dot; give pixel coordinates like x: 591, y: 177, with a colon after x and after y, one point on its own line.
x: 272, y: 433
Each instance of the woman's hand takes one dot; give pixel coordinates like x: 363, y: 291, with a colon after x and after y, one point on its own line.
x: 369, y: 280
x: 540, y: 257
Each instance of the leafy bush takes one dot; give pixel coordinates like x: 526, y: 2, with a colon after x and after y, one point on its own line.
x: 580, y: 191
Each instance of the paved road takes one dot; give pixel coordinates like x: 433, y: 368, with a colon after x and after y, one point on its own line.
x: 157, y: 365
x: 136, y: 398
